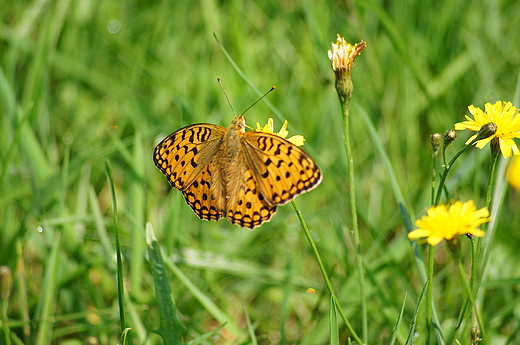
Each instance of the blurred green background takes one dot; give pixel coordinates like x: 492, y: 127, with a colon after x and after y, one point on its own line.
x: 85, y: 82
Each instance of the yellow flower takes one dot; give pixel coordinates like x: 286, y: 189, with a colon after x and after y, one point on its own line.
x: 505, y: 116
x: 269, y: 128
x: 448, y: 221
x: 513, y: 173
x: 342, y: 57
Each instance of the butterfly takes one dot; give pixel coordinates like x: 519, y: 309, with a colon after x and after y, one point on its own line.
x: 234, y: 173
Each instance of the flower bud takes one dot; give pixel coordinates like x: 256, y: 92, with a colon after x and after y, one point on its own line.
x: 486, y: 131
x: 449, y: 136
x: 435, y: 141
x: 6, y: 282
x: 475, y: 334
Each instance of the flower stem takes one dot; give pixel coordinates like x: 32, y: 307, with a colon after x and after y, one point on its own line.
x: 355, y: 227
x: 447, y: 169
x: 434, y: 175
x: 342, y: 57
x: 494, y: 160
x: 429, y: 294
x: 477, y: 267
x: 324, y: 272
x: 476, y: 270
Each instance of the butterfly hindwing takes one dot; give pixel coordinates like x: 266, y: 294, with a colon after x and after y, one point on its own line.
x: 251, y: 208
x: 200, y: 198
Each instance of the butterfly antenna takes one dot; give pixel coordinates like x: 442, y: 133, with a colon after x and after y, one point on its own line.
x: 227, y: 99
x: 265, y: 94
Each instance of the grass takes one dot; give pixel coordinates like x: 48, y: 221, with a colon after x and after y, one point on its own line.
x: 74, y: 96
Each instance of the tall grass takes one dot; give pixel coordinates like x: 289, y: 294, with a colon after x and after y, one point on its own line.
x: 77, y: 90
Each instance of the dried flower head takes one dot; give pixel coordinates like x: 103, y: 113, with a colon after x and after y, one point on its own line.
x: 342, y: 57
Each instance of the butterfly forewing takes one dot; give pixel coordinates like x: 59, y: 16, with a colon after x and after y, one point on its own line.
x: 185, y: 153
x: 282, y: 170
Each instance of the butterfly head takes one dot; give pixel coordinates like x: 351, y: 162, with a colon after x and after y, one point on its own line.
x: 239, y: 124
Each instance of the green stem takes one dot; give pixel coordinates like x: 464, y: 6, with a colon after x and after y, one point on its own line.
x: 447, y: 169
x: 434, y: 175
x: 455, y: 253
x: 355, y: 225
x: 476, y: 270
x: 470, y: 300
x: 477, y: 267
x: 444, y: 147
x: 494, y: 160
x: 429, y: 294
x: 324, y: 272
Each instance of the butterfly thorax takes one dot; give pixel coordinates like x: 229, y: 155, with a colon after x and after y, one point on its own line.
x: 228, y: 177
x: 231, y: 140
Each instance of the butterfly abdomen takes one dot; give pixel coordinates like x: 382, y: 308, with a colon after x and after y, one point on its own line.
x: 229, y: 180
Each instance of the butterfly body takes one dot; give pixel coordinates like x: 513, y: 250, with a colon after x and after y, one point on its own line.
x: 233, y: 173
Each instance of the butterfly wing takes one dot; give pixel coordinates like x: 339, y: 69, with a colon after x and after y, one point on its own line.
x: 272, y: 171
x: 250, y: 207
x: 184, y: 154
x: 281, y: 169
x: 200, y: 198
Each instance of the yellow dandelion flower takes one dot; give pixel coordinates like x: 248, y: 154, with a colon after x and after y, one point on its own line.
x: 297, y: 140
x: 513, y: 173
x: 447, y: 221
x: 505, y: 116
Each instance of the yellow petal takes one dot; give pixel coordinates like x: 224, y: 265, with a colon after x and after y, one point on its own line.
x: 297, y: 140
x: 435, y: 240
x: 419, y: 233
x: 283, y: 131
x: 513, y: 173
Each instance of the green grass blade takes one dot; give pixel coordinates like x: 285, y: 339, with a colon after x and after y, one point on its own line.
x: 120, y: 279
x: 250, y: 328
x: 138, y: 210
x: 99, y: 222
x: 205, y: 300
x: 319, y: 260
x: 134, y: 318
x: 205, y: 336
x: 333, y: 317
x: 247, y: 80
x: 170, y: 328
x: 402, y: 208
x: 398, y: 323
x: 411, y: 331
x: 49, y: 293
